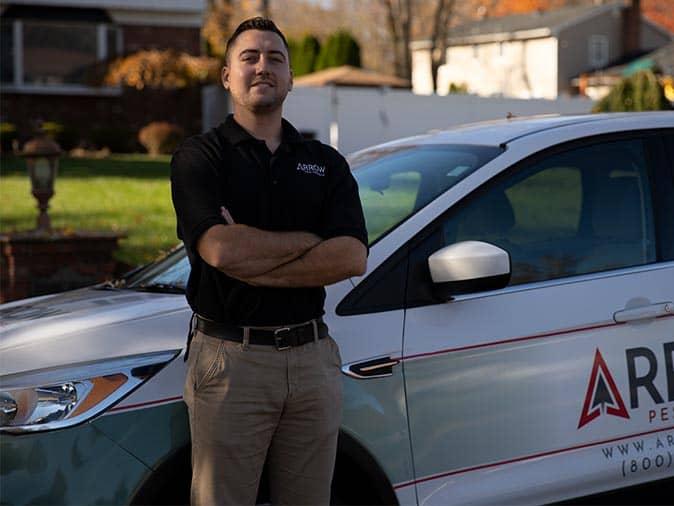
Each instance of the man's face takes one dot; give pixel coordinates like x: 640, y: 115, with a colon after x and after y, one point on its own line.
x: 257, y: 73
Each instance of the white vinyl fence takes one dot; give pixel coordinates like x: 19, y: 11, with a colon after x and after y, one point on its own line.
x: 354, y: 118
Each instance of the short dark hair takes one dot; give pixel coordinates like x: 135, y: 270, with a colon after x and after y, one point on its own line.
x: 256, y: 23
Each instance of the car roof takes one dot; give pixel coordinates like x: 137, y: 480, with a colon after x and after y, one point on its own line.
x: 503, y: 131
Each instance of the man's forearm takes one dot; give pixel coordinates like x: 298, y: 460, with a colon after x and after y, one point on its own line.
x: 329, y: 262
x: 242, y: 251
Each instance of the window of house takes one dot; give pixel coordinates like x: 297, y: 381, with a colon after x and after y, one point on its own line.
x: 56, y: 47
x: 598, y: 50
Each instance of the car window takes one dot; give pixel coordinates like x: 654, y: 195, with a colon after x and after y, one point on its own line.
x: 396, y: 182
x: 584, y: 210
x: 171, y: 270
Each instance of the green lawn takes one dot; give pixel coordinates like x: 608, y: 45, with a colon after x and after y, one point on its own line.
x: 124, y: 193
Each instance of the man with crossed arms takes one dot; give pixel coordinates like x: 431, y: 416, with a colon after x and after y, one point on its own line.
x: 268, y: 219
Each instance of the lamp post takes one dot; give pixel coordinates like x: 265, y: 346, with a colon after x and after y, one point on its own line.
x: 42, y: 159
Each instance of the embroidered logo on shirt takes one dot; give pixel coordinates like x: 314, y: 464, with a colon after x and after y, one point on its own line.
x: 310, y: 168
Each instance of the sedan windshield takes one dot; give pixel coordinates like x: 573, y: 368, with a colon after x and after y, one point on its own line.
x: 396, y: 182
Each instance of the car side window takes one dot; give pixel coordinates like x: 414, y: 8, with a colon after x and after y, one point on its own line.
x: 579, y: 211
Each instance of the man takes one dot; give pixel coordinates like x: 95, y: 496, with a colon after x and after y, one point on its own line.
x: 268, y: 219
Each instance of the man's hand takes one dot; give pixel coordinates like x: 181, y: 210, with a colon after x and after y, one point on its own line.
x: 243, y: 252
x: 329, y: 262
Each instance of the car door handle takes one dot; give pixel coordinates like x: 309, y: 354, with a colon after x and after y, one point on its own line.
x: 644, y: 312
x: 376, y: 368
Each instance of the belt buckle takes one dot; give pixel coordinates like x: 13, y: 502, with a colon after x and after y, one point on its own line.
x: 281, y: 344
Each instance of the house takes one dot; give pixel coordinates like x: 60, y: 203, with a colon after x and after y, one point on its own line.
x: 536, y: 55
x: 52, y: 52
x: 598, y: 83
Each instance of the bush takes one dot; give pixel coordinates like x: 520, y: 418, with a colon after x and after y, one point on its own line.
x: 7, y: 135
x: 639, y: 92
x: 162, y: 69
x: 116, y: 139
x: 160, y: 137
x: 458, y: 88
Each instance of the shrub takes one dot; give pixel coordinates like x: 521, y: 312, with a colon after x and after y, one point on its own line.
x: 117, y: 139
x: 160, y: 137
x: 458, y: 88
x: 7, y: 135
x: 161, y: 69
x: 639, y: 92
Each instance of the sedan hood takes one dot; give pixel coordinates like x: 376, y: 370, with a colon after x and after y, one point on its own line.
x: 87, y: 324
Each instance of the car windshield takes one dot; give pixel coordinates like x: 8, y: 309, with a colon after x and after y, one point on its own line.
x: 394, y: 183
x: 168, y: 274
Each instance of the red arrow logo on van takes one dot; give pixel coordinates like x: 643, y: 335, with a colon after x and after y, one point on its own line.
x: 602, y: 394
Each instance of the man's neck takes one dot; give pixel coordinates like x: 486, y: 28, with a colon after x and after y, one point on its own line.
x: 266, y: 127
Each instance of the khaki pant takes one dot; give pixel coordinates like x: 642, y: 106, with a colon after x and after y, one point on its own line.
x: 256, y: 403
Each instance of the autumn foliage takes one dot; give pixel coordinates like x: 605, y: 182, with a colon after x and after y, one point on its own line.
x: 160, y: 137
x: 161, y: 69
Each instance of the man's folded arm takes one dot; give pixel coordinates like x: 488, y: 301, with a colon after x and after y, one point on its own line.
x: 241, y: 251
x: 328, y: 262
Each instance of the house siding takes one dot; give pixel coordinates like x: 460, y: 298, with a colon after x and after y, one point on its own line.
x: 652, y: 38
x: 574, y: 50
x: 136, y: 38
x: 422, y: 78
x: 523, y: 69
x: 126, y: 113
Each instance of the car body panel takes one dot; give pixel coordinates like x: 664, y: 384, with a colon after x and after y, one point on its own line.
x: 112, y: 324
x: 78, y: 465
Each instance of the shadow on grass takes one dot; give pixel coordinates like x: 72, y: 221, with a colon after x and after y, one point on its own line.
x: 135, y: 167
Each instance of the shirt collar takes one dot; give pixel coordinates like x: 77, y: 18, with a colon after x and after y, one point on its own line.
x: 236, y: 134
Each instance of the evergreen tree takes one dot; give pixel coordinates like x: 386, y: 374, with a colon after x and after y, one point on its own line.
x: 340, y: 49
x: 639, y: 92
x: 305, y: 56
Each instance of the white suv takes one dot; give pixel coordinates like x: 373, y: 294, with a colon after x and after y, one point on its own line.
x: 511, y: 342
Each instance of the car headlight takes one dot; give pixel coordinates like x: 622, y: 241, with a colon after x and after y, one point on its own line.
x: 58, y: 398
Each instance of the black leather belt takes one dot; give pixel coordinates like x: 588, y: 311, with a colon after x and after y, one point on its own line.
x: 281, y: 337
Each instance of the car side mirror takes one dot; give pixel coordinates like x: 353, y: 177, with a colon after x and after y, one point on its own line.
x: 468, y: 267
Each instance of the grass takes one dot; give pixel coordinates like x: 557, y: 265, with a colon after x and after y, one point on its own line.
x: 122, y: 193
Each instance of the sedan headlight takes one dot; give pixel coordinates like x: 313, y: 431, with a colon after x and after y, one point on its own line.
x: 58, y: 398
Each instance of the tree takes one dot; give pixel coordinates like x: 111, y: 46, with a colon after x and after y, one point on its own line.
x: 399, y: 21
x: 443, y: 14
x: 217, y: 26
x: 340, y: 49
x: 304, y: 54
x: 639, y: 92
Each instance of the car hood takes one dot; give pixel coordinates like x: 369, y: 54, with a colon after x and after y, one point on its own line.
x: 88, y: 324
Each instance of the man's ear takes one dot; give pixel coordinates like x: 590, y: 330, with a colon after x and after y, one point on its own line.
x: 224, y: 76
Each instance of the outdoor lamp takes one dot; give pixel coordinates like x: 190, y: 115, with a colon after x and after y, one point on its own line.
x: 42, y: 159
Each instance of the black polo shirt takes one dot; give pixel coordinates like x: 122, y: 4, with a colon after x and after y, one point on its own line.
x: 304, y: 186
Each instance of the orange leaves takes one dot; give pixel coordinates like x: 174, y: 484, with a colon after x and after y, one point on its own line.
x: 161, y: 69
